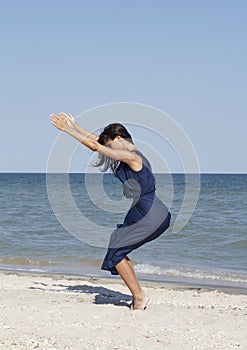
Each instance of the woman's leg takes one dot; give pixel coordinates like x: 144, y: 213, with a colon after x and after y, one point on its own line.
x: 127, y: 273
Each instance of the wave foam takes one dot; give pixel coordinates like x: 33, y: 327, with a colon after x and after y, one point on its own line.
x: 215, y: 276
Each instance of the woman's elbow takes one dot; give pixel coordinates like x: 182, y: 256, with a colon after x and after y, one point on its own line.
x: 92, y: 145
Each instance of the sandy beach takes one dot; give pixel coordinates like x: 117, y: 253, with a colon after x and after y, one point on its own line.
x: 70, y: 312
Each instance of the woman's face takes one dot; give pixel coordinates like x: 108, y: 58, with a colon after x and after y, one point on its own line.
x: 116, y: 144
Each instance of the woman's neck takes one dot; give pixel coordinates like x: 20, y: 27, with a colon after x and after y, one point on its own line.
x: 130, y: 147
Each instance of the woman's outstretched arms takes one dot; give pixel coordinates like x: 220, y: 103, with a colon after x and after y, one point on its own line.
x: 85, y: 137
x: 72, y: 124
x: 89, y: 140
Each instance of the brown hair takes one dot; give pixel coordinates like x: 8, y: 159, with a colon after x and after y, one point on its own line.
x: 109, y: 133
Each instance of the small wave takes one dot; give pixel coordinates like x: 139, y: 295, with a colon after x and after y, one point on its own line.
x: 21, y: 269
x: 27, y: 262
x: 215, y: 276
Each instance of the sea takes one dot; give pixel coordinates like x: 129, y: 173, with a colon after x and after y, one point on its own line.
x: 61, y: 223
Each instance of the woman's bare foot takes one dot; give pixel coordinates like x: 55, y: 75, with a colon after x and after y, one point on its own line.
x: 139, y: 303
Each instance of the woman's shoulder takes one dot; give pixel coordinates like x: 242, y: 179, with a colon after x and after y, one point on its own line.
x: 141, y: 154
x: 145, y: 161
x: 137, y: 151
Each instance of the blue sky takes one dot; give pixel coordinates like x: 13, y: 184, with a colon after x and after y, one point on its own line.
x: 186, y: 58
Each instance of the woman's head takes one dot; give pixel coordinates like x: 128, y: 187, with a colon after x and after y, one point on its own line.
x: 114, y: 136
x: 111, y: 131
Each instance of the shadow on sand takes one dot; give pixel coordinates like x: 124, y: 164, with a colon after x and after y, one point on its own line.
x: 102, y: 295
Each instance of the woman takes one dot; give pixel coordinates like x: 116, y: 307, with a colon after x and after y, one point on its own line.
x: 147, y: 218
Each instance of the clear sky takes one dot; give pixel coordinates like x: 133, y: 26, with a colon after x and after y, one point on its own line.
x: 187, y: 58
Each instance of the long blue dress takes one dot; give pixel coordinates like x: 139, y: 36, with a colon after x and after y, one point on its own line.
x: 147, y: 218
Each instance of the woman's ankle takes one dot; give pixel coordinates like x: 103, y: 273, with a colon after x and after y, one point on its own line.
x: 140, y: 295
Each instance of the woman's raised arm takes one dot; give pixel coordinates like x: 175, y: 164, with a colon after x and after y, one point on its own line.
x: 85, y: 137
x: 71, y: 122
x: 131, y: 158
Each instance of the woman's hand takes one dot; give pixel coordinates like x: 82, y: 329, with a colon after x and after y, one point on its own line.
x: 66, y: 122
x: 60, y: 122
x: 70, y: 119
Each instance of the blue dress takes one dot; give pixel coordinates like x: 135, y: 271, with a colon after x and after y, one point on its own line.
x: 147, y: 218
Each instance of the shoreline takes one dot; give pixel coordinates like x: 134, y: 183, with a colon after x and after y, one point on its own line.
x: 228, y: 289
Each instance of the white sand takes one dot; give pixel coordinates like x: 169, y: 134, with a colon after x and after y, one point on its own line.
x: 66, y: 312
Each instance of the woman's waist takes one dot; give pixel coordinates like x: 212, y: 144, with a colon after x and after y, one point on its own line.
x: 136, y: 195
x: 151, y: 211
x: 149, y: 201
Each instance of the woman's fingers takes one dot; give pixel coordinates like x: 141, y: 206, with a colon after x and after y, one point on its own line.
x: 63, y: 115
x: 68, y: 117
x: 59, y: 122
x: 72, y: 118
x: 54, y: 117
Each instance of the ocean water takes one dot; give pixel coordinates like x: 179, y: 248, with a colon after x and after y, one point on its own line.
x: 210, y: 249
